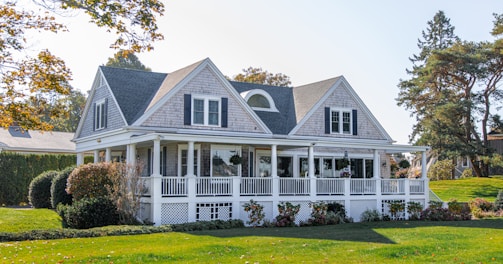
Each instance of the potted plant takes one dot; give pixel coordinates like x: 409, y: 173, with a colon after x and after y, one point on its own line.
x: 343, y: 163
x: 235, y: 159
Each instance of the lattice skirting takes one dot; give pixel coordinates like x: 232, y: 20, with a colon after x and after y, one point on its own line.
x: 385, y: 210
x: 174, y: 213
x: 213, y: 211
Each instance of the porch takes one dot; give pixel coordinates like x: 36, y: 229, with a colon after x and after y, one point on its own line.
x: 190, y: 199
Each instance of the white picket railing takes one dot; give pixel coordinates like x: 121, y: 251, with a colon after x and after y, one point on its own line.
x: 393, y: 186
x: 363, y: 186
x: 269, y: 186
x: 174, y: 186
x: 334, y: 186
x: 256, y: 186
x: 294, y: 186
x: 214, y: 186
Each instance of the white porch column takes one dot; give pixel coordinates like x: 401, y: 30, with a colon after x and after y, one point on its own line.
x: 274, y: 160
x: 156, y: 182
x: 80, y: 158
x: 190, y: 159
x: 377, y: 164
x: 191, y: 182
x: 311, y: 172
x: 96, y: 155
x: 108, y: 155
x: 424, y: 171
x: 131, y: 154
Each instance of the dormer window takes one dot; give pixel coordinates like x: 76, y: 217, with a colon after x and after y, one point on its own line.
x: 259, y: 100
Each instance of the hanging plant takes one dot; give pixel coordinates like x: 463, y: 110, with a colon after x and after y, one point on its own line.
x: 343, y: 163
x: 235, y: 159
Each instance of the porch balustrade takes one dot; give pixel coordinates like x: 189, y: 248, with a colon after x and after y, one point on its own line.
x: 270, y: 186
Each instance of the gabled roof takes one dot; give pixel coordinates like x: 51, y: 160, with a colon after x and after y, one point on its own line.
x: 306, y: 96
x: 133, y: 89
x: 16, y: 140
x: 280, y: 122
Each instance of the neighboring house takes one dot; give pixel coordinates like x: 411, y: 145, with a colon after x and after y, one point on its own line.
x: 15, y: 139
x: 495, y: 138
x: 186, y: 125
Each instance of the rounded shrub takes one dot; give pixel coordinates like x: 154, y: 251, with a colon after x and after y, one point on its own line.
x: 58, y: 186
x: 89, y: 212
x: 90, y: 181
x: 39, y: 192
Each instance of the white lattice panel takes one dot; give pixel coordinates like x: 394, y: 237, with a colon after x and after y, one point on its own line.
x: 268, y: 212
x: 385, y: 210
x: 213, y: 211
x: 174, y: 213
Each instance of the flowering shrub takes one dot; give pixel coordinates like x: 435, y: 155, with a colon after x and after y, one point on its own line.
x: 396, y: 209
x: 414, y: 210
x: 287, y: 212
x: 90, y: 181
x: 441, y: 170
x: 255, y: 213
x: 318, y: 213
x: 370, y: 215
x: 481, y: 208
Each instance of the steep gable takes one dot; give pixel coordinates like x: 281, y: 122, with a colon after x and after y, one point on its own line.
x: 200, y: 80
x: 133, y: 89
x: 334, y: 95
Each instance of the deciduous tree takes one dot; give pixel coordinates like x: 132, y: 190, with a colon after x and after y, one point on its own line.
x: 126, y: 60
x: 30, y: 85
x: 259, y: 76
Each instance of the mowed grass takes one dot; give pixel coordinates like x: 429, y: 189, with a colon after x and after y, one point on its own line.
x: 479, y: 241
x: 469, y: 188
x: 20, y: 220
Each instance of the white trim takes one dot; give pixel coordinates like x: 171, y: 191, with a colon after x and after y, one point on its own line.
x: 206, y: 109
x: 248, y: 94
x: 341, y: 111
x: 225, y: 83
x: 197, y: 148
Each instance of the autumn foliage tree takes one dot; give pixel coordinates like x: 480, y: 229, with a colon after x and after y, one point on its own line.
x: 259, y: 76
x: 31, y: 84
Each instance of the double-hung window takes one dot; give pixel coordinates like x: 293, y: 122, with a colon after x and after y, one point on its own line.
x: 341, y: 121
x: 100, y: 114
x: 206, y: 111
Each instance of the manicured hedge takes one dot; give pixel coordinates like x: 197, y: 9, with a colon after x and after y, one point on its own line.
x: 18, y: 170
x: 39, y: 192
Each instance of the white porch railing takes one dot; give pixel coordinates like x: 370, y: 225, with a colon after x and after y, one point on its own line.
x: 363, y: 186
x: 269, y: 186
x: 294, y: 186
x: 174, y: 186
x: 256, y: 186
x: 332, y: 186
x: 214, y: 186
x: 392, y: 186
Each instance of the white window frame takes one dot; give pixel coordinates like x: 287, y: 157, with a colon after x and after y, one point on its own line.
x: 341, y: 112
x: 197, y: 148
x: 225, y: 148
x: 206, y: 99
x: 99, y: 115
x: 248, y: 94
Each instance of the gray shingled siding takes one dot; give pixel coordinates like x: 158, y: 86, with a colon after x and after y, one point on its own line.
x: 205, y: 83
x: 315, y: 125
x: 114, y: 119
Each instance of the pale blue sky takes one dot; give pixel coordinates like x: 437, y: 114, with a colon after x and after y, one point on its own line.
x: 369, y: 42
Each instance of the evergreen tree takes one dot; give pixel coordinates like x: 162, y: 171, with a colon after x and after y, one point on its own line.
x: 126, y: 60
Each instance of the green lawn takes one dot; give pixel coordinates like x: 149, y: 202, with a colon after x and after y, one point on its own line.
x: 479, y: 241
x: 466, y: 189
x: 19, y: 220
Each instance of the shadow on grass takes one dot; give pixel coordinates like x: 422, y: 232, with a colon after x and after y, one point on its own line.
x: 356, y: 232
x: 486, y: 191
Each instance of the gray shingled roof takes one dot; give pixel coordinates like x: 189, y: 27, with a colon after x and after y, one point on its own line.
x: 306, y: 96
x: 281, y: 122
x: 133, y: 89
x: 13, y: 139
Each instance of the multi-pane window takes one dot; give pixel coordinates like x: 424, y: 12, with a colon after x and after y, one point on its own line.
x: 183, y: 162
x: 100, y: 115
x: 341, y: 121
x: 206, y: 112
